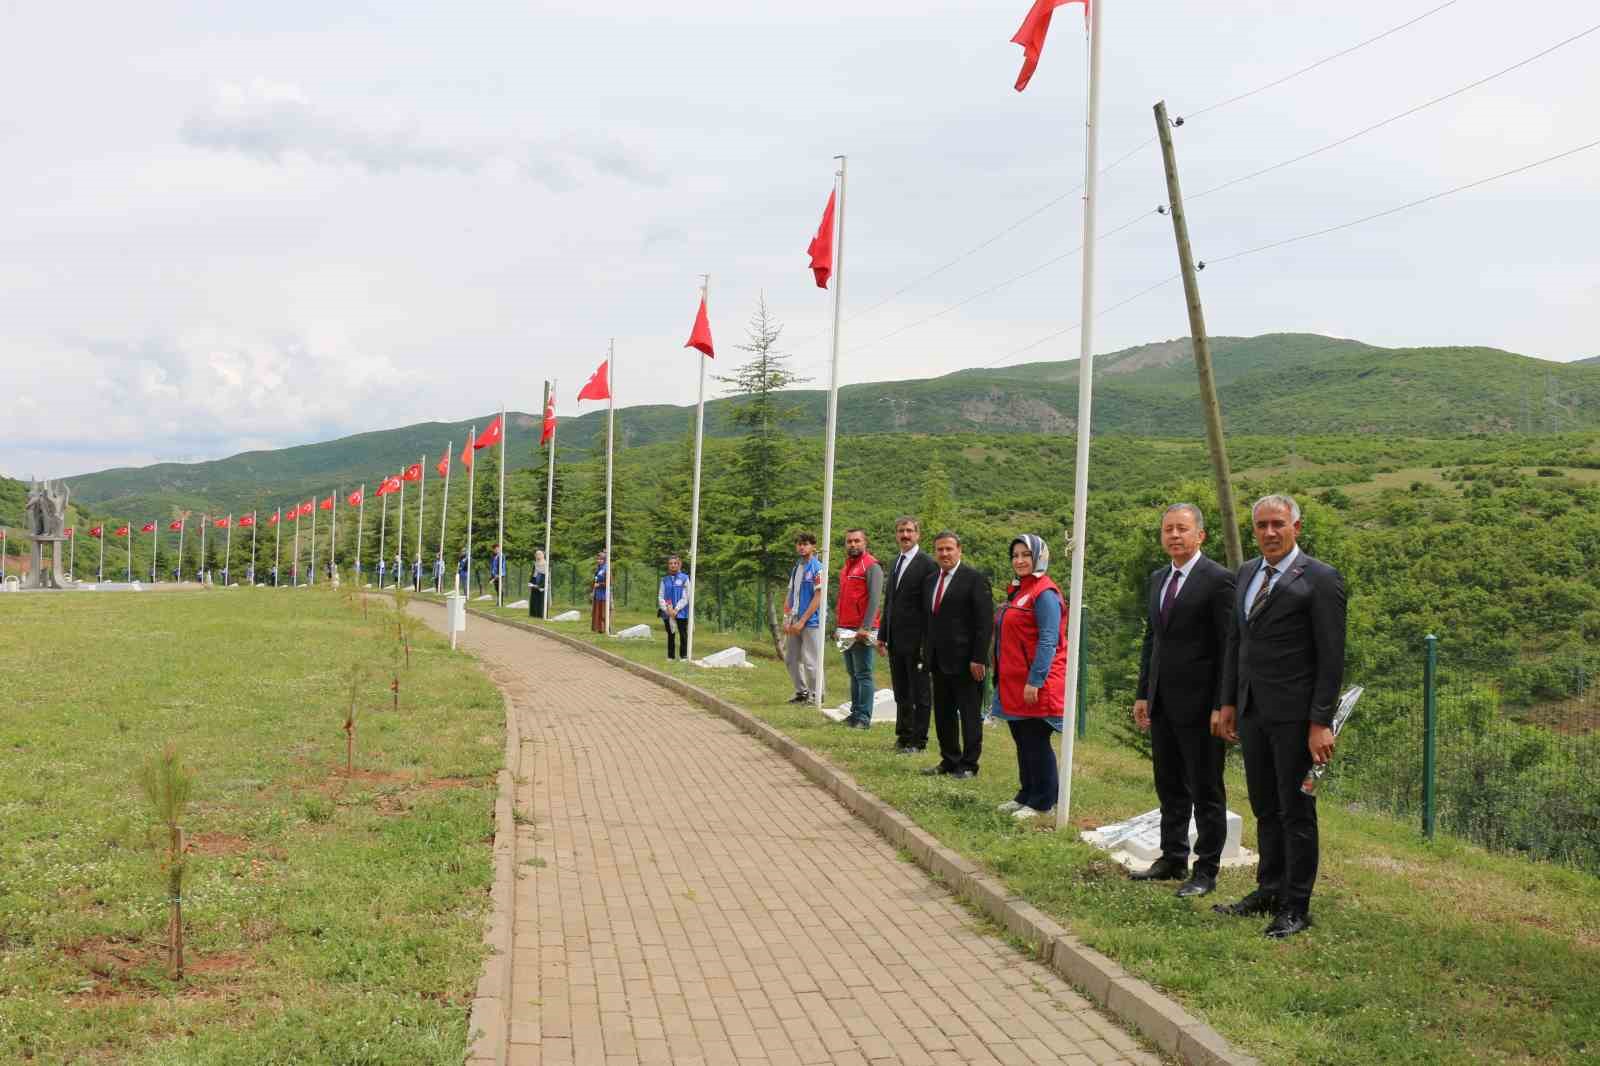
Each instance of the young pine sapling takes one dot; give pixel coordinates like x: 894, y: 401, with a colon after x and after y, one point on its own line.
x: 168, y: 785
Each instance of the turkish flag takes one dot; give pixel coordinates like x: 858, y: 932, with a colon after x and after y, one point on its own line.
x: 175, y: 525
x: 821, y: 247
x: 549, y: 419
x: 96, y: 531
x: 598, y: 386
x: 68, y: 531
x: 274, y: 519
x: 700, y: 336
x: 1032, y: 32
x: 444, y: 464
x: 248, y: 520
x: 223, y: 523
x: 391, y: 484
x: 466, y: 453
x: 354, y: 499
x: 412, y: 473
x: 148, y: 527
x: 326, y: 505
x: 307, y: 507
x: 122, y: 531
x: 490, y: 436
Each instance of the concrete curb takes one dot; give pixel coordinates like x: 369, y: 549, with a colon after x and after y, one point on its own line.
x: 1131, y: 1001
x: 490, y: 1020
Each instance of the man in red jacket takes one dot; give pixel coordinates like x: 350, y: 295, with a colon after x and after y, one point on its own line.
x: 860, y: 592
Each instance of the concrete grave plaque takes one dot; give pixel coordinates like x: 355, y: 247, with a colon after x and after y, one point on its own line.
x: 883, y: 708
x: 1136, y: 842
x: 638, y: 632
x: 726, y: 657
x: 566, y: 616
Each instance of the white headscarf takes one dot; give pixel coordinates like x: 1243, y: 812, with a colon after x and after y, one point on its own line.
x: 1036, y: 545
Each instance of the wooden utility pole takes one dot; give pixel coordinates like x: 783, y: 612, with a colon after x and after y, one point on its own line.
x: 1202, y: 347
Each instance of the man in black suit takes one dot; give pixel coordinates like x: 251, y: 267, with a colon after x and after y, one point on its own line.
x: 1189, y: 613
x: 960, y: 611
x: 1285, y: 665
x: 900, y: 629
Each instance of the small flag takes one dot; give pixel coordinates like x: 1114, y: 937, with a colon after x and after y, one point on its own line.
x: 598, y: 386
x: 700, y: 336
x: 223, y: 523
x: 122, y: 531
x: 1032, y: 33
x: 326, y: 505
x: 354, y: 499
x: 466, y: 453
x: 490, y: 435
x: 306, y: 508
x: 412, y: 473
x: 96, y: 531
x: 444, y: 464
x: 274, y: 519
x: 175, y: 525
x: 821, y: 247
x: 549, y: 419
x: 148, y: 527
x: 247, y: 520
x: 68, y: 531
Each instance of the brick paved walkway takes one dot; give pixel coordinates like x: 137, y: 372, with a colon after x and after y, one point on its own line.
x: 685, y: 895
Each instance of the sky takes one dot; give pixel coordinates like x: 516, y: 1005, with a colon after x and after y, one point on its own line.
x: 239, y: 225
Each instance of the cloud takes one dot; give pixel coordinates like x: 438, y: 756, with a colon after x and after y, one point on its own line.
x: 273, y: 123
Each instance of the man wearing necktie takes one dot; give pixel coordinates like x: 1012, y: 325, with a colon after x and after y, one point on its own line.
x: 904, y: 620
x: 1190, y: 613
x: 1285, y: 665
x: 956, y: 651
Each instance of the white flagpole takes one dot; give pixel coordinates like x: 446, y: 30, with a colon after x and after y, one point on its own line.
x: 296, y: 566
x: 383, y: 529
x: 315, y: 506
x: 422, y: 494
x: 184, y: 522
x: 277, y: 549
x: 72, y: 556
x: 500, y: 533
x: 155, y: 539
x: 444, y: 511
x: 400, y: 529
x: 549, y: 498
x: 832, y: 434
x: 130, y: 551
x: 361, y: 521
x: 472, y: 481
x: 254, y: 520
x: 694, y: 498
x: 205, y: 520
x: 1080, y: 488
x: 611, y: 437
x: 333, y: 533
x: 100, y: 567
x: 227, y: 556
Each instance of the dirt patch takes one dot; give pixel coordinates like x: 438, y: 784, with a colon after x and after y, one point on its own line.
x: 216, y: 844
x: 120, y: 971
x: 450, y: 782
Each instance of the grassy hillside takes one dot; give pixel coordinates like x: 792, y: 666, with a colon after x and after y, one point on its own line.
x: 1269, y: 385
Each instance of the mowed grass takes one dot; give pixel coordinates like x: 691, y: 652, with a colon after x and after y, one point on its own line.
x: 330, y: 919
x: 1421, y: 953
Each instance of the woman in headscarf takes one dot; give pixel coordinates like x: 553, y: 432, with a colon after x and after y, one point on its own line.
x: 537, y: 584
x: 1030, y: 679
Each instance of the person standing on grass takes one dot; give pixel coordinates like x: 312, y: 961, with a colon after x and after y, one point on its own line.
x: 497, y: 571
x: 802, y: 628
x: 860, y: 592
x: 900, y: 632
x: 1188, y: 616
x: 1030, y: 674
x: 598, y: 604
x: 956, y: 646
x: 672, y: 606
x: 538, y: 584
x: 416, y: 574
x: 1285, y: 665
x: 438, y: 571
x: 383, y: 569
x: 463, y: 578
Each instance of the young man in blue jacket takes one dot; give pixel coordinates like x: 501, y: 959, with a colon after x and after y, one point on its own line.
x: 672, y: 607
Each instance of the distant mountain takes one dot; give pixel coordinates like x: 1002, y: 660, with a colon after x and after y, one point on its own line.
x: 1268, y: 385
x: 1593, y: 360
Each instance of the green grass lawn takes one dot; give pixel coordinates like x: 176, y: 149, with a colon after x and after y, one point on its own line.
x: 330, y: 919
x: 1421, y: 953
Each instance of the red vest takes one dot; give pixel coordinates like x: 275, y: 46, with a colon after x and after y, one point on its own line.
x: 853, y: 605
x: 1019, y: 638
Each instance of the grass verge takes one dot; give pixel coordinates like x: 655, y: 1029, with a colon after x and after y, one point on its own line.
x: 1421, y: 953
x: 330, y: 917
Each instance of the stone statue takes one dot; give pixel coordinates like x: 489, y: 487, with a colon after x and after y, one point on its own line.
x: 47, y: 521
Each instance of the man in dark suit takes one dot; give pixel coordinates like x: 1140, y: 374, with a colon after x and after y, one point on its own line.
x: 1189, y: 605
x: 960, y: 611
x: 900, y: 629
x: 1285, y: 665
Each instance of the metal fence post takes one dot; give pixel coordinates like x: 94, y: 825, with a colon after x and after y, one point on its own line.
x: 1083, y: 684
x: 1430, y: 730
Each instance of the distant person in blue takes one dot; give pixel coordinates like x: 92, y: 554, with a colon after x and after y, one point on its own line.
x: 416, y: 574
x: 497, y: 570
x: 438, y: 571
x: 672, y: 607
x: 597, y: 611
x: 463, y: 581
x: 802, y: 626
x: 383, y: 568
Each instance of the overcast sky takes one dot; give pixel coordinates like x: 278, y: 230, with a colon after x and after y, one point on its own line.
x: 246, y: 225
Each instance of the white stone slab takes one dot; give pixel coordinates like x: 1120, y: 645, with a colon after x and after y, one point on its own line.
x: 136, y: 587
x: 638, y: 632
x: 1136, y: 843
x: 519, y: 605
x: 566, y: 616
x: 883, y: 708
x: 725, y: 658
x: 485, y: 596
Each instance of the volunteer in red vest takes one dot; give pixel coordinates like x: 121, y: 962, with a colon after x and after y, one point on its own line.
x: 1030, y: 680
x: 860, y: 593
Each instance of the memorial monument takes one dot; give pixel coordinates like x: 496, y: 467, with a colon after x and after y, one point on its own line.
x: 47, y: 521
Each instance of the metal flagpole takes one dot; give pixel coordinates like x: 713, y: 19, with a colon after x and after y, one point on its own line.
x: 500, y: 532
x: 400, y: 530
x: 72, y: 556
x: 832, y: 434
x: 361, y: 521
x: 183, y: 521
x: 130, y: 551
x: 383, y: 528
x: 333, y: 533
x: 694, y: 497
x: 227, y: 556
x: 205, y: 520
x: 155, y: 538
x: 472, y: 474
x: 100, y: 567
x: 611, y: 441
x: 444, y: 511
x: 422, y: 494
x: 296, y: 564
x: 1080, y: 488
x: 314, y: 509
x: 277, y: 549
x: 254, y: 518
x: 549, y: 497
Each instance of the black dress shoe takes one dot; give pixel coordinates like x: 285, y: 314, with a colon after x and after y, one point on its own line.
x: 1287, y: 923
x: 1257, y: 902
x: 1197, y: 885
x: 934, y: 771
x: 1163, y: 869
x: 799, y: 697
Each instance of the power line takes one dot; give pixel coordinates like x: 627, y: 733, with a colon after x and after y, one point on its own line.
x: 1146, y: 291
x: 1405, y: 206
x: 1396, y: 118
x: 1320, y: 63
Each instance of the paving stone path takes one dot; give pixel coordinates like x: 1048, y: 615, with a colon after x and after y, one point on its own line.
x: 687, y: 896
